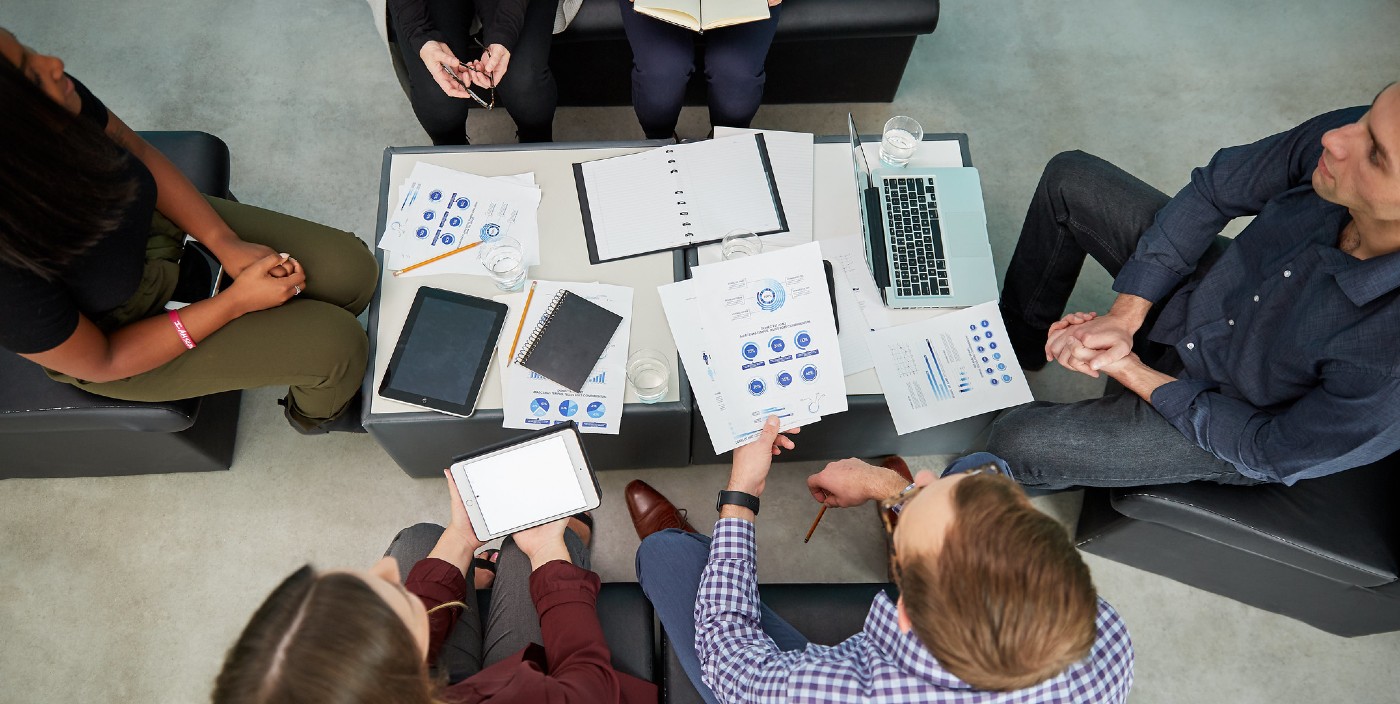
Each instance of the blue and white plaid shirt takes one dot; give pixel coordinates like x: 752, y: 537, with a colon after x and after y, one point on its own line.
x: 879, y: 664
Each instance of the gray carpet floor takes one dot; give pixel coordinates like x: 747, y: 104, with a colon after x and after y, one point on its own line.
x: 130, y: 589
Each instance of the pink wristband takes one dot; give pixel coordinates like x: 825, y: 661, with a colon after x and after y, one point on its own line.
x: 180, y: 328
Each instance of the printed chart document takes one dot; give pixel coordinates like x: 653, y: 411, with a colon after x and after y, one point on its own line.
x: 948, y: 368
x: 768, y: 322
x: 677, y: 196
x: 530, y: 401
x: 700, y: 15
x: 440, y: 210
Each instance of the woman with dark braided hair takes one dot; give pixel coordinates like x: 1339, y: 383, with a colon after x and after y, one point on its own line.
x: 92, y: 223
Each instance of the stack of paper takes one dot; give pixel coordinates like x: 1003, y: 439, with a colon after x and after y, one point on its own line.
x: 530, y: 401
x: 441, y: 210
x: 763, y: 344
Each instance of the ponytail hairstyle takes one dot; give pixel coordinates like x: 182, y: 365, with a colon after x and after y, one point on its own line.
x: 64, y: 183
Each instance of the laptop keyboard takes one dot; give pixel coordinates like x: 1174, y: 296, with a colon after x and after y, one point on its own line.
x: 916, y: 241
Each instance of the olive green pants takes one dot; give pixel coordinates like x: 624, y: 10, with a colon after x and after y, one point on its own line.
x: 312, y: 343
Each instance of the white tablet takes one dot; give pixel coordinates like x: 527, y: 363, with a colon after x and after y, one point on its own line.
x: 524, y: 483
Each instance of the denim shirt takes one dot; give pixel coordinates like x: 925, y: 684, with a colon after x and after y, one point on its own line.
x: 1288, y: 343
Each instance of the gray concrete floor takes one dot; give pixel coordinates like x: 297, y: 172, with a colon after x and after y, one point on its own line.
x: 130, y: 589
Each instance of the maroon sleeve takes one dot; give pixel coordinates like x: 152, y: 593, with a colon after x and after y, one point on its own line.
x: 580, y: 664
x: 437, y: 582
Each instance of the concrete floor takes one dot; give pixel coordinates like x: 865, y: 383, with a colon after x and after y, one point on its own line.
x: 130, y: 589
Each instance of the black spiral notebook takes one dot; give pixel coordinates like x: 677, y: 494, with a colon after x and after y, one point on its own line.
x: 569, y: 340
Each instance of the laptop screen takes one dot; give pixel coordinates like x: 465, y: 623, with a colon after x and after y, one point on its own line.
x: 858, y: 160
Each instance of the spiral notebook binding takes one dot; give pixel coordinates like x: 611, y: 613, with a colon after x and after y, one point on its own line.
x: 523, y: 355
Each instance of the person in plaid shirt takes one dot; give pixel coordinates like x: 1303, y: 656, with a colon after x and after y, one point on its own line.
x: 995, y: 603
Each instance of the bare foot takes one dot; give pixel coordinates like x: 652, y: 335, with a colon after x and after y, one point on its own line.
x: 581, y: 529
x: 483, y: 578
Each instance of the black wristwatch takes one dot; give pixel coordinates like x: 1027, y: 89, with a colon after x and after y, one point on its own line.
x: 738, y: 498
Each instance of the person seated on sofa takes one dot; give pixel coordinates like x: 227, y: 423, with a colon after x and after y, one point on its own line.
x: 1269, y: 361
x: 368, y: 636
x: 995, y: 603
x: 663, y: 59
x: 513, y: 61
x: 92, y: 220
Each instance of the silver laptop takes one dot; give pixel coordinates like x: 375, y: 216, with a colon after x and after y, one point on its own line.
x: 925, y: 233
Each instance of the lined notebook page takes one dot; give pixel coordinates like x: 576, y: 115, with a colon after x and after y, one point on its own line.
x: 678, y: 195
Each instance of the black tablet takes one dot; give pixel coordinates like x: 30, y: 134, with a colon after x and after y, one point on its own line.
x: 443, y: 353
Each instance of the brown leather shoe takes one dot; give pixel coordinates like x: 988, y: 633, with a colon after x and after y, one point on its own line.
x: 900, y: 467
x: 651, y: 511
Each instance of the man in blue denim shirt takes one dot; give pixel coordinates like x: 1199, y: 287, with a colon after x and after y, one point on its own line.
x: 1272, y: 360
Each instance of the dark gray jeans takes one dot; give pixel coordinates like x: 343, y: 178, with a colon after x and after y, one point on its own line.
x: 1087, y: 206
x: 512, y: 622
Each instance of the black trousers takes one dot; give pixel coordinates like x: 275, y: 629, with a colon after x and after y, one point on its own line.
x: 527, y: 90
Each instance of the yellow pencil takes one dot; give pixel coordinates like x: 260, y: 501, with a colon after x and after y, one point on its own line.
x: 530, y: 296
x: 444, y: 255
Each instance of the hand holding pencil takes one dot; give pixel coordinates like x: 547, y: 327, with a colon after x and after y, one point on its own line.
x: 851, y: 482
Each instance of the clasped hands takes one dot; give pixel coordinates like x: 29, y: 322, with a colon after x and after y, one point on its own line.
x: 1089, y: 343
x: 485, y: 72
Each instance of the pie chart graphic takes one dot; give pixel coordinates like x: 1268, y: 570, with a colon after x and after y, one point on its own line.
x: 596, y: 409
x: 568, y: 408
x: 539, y: 406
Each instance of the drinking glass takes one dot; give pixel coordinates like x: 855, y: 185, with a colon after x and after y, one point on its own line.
x: 740, y: 243
x: 649, y: 375
x: 901, y: 138
x: 504, y: 258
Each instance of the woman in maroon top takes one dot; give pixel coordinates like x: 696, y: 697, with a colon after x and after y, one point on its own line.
x: 361, y: 636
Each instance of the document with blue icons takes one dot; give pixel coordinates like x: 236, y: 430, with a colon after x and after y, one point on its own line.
x: 947, y: 368
x: 768, y: 325
x: 440, y: 210
x: 530, y: 401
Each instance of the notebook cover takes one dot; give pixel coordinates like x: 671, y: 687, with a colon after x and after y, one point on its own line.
x: 571, y: 341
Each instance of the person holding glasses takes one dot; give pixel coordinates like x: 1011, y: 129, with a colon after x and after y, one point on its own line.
x: 511, y: 57
x: 995, y: 603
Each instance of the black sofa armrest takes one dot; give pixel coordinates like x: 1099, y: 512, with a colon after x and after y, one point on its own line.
x: 201, y: 156
x: 1342, y: 527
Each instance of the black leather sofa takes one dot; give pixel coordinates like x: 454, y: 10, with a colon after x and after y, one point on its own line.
x: 825, y: 613
x: 1323, y: 551
x: 825, y: 51
x: 49, y: 429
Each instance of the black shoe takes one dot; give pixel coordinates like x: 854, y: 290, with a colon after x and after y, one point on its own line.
x: 348, y: 421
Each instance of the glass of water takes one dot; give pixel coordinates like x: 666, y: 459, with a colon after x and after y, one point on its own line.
x: 901, y: 137
x: 740, y: 243
x: 649, y: 375
x: 504, y: 258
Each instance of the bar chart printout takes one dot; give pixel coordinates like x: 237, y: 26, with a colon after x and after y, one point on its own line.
x: 947, y: 368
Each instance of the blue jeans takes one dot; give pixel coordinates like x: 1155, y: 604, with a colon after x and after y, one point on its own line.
x: 669, y: 564
x: 663, y: 59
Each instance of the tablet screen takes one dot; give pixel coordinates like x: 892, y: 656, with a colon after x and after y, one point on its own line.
x: 445, y: 352
x: 525, y: 485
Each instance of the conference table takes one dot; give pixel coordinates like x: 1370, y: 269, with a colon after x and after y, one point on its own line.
x: 671, y: 432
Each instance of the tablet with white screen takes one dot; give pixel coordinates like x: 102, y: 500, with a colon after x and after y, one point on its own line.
x: 508, y: 488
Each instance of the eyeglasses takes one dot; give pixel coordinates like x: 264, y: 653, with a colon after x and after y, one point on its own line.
x: 467, y: 86
x: 891, y: 508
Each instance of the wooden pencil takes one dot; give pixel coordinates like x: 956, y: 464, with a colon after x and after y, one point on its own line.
x: 813, y: 529
x: 439, y: 257
x: 529, y: 297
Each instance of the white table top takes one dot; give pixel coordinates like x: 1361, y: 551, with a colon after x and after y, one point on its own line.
x: 564, y: 256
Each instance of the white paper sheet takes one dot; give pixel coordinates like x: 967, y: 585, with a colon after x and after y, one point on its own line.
x: 854, y: 334
x: 530, y: 401
x: 677, y: 195
x: 768, y: 320
x: 948, y: 368
x: 440, y: 210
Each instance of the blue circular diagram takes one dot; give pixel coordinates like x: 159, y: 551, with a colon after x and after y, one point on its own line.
x: 539, y: 406
x: 750, y: 350
x: 463, y: 203
x: 992, y: 345
x: 757, y: 387
x: 984, y: 359
x: 1006, y: 377
x: 490, y: 231
x: 996, y: 355
x: 980, y: 348
x: 776, y: 344
x: 985, y: 323
x: 802, y: 340
x: 990, y: 370
x: 596, y: 409
x: 1001, y: 367
x: 421, y: 233
x: 448, y: 239
x: 568, y: 408
x: 994, y: 382
x: 987, y: 334
x: 784, y: 379
x: 770, y: 295
x: 435, y: 196
x: 429, y: 215
x: 972, y: 327
x: 455, y: 221
x: 976, y: 338
x: 809, y: 373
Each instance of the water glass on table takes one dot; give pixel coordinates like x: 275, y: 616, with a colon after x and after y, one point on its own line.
x: 504, y: 258
x: 649, y: 375
x: 740, y: 243
x: 900, y: 139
